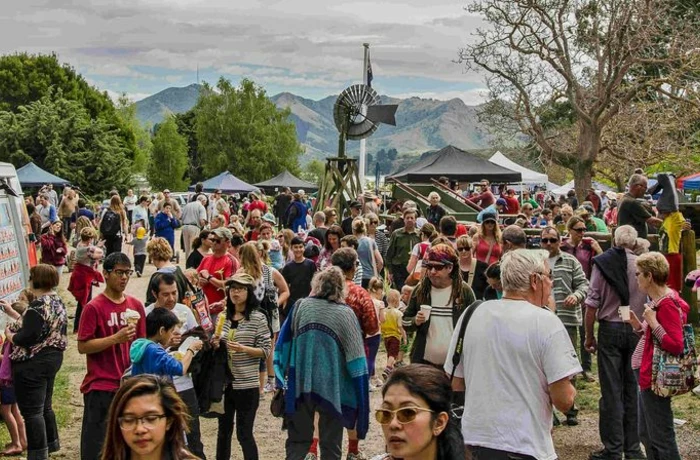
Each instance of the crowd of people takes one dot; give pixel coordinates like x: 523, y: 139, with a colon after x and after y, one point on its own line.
x: 485, y: 328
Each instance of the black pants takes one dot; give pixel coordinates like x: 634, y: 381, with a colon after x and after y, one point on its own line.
x: 130, y: 216
x: 617, y: 423
x: 113, y: 244
x: 484, y: 453
x: 33, y: 380
x: 300, y: 432
x: 656, y: 429
x: 94, y: 427
x: 139, y: 262
x: 243, y: 404
x: 398, y: 276
x: 194, y: 442
x: 66, y: 228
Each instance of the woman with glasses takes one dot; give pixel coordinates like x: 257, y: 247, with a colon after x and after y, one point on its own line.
x: 415, y: 416
x: 487, y: 241
x: 147, y: 420
x: 38, y: 341
x: 201, y: 247
x: 583, y: 248
x: 377, y: 235
x: 661, y: 327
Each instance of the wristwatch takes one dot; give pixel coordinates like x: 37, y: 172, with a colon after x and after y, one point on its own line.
x: 209, y: 277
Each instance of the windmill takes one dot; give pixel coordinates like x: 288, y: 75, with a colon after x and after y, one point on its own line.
x: 357, y: 114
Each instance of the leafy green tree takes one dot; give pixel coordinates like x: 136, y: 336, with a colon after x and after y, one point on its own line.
x: 25, y: 78
x: 168, y: 165
x: 314, y: 171
x: 241, y: 130
x: 59, y: 135
x: 186, y: 126
x: 126, y: 109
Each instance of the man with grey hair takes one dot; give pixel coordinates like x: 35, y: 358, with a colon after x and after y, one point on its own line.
x: 509, y: 397
x: 320, y: 229
x: 631, y: 211
x: 612, y: 294
x: 194, y: 218
x: 513, y: 238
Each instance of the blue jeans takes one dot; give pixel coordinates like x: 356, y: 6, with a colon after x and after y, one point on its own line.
x: 617, y: 423
x: 656, y: 426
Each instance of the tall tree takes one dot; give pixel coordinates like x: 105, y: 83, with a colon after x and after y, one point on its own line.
x: 592, y: 55
x: 126, y: 110
x: 60, y: 136
x: 168, y: 165
x: 25, y: 78
x: 240, y: 129
x: 186, y: 126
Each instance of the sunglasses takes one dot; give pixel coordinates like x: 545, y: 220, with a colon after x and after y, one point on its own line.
x: 403, y: 415
x: 215, y: 240
x: 579, y: 230
x: 464, y: 248
x: 436, y: 267
x: 550, y: 240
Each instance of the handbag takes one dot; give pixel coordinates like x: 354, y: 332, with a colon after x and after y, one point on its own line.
x: 673, y: 375
x: 196, y: 301
x: 417, y: 273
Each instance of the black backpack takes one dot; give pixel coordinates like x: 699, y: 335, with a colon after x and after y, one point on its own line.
x: 111, y: 224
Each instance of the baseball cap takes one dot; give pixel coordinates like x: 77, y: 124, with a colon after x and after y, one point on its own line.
x: 240, y: 278
x: 223, y: 232
x: 488, y: 217
x: 501, y: 202
x: 355, y: 204
x: 269, y: 217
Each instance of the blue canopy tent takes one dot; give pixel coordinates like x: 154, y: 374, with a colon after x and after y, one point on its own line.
x: 692, y: 183
x: 227, y: 183
x: 30, y: 175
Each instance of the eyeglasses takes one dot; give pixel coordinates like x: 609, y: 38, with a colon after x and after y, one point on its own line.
x: 237, y: 288
x: 149, y: 422
x: 463, y: 248
x: 548, y: 274
x: 121, y: 273
x: 436, y: 267
x: 374, y: 222
x: 579, y: 230
x: 403, y: 415
x: 214, y: 240
x: 549, y: 240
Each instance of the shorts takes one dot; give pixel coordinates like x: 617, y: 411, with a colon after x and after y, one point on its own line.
x: 7, y: 396
x: 393, y: 346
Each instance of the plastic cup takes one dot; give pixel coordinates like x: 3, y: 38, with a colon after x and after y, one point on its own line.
x: 425, y: 309
x: 624, y: 313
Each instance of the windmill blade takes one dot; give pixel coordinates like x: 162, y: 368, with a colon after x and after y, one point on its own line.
x: 382, y: 114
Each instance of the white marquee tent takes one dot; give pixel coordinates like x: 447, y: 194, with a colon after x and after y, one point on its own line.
x: 529, y: 176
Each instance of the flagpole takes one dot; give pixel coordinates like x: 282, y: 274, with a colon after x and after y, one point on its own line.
x: 362, y: 141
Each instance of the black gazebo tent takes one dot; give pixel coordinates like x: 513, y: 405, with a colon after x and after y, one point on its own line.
x: 286, y: 179
x: 227, y: 183
x: 456, y: 165
x: 30, y: 175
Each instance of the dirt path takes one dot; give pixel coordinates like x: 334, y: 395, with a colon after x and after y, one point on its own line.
x: 572, y: 443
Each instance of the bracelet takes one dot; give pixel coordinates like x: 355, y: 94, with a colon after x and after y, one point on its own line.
x: 190, y: 350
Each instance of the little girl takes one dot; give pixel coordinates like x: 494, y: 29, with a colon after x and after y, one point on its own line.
x: 393, y: 332
x: 8, y: 401
x: 376, y: 291
x: 85, y: 273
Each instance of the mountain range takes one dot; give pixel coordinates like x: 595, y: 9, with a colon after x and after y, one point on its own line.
x: 421, y: 124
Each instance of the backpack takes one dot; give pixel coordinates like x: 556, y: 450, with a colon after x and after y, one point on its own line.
x: 111, y: 224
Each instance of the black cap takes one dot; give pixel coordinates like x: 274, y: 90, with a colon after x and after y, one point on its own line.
x: 355, y: 204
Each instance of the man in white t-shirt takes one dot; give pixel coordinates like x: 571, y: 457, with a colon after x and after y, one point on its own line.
x: 516, y: 363
x: 164, y: 289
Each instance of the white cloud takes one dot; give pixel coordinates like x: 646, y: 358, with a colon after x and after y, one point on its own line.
x: 471, y: 97
x: 133, y: 97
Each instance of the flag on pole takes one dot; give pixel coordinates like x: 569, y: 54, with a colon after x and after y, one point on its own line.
x: 369, y: 70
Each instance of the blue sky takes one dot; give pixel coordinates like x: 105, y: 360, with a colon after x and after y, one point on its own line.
x: 312, y: 48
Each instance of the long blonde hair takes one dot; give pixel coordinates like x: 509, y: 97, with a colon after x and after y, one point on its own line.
x: 250, y: 259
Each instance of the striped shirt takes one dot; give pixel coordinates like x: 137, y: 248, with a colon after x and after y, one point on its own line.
x: 250, y: 333
x: 569, y: 279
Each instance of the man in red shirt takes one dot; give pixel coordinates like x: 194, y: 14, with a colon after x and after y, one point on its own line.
x: 594, y: 199
x: 216, y: 268
x: 512, y: 204
x: 486, y: 198
x: 257, y: 203
x: 105, y: 335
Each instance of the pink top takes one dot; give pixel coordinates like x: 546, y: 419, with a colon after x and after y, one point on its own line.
x: 482, y: 251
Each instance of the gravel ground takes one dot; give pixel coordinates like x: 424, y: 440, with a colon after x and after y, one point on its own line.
x: 572, y: 443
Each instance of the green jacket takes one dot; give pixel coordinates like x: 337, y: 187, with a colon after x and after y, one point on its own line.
x: 400, y: 246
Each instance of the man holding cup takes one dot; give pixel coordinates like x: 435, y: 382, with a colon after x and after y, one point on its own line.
x: 613, y: 292
x: 436, y: 305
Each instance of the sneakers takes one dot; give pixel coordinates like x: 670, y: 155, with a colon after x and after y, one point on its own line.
x: 358, y: 456
x: 604, y: 454
x: 638, y: 455
x: 588, y: 377
x: 386, y: 373
x: 571, y: 420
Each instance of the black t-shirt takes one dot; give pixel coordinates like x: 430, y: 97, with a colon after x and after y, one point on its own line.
x: 298, y: 277
x: 319, y: 234
x: 194, y: 259
x: 346, y: 225
x: 632, y: 212
x: 281, y: 204
x: 479, y: 283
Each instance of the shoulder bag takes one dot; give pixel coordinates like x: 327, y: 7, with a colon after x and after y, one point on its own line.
x: 458, y: 396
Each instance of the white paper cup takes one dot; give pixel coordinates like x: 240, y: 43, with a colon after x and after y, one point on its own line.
x: 425, y: 309
x: 624, y: 313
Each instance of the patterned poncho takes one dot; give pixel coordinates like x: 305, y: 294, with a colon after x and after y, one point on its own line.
x: 321, y: 351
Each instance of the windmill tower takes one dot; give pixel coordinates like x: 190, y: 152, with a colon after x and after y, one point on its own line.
x: 357, y: 114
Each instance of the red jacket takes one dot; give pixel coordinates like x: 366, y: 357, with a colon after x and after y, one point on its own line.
x: 81, y: 280
x: 49, y: 244
x: 670, y: 333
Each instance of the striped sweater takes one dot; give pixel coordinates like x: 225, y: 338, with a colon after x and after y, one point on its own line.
x: 321, y: 351
x: 569, y: 279
x: 251, y: 333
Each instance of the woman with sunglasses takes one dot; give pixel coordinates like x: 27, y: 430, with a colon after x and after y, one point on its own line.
x: 487, y: 241
x: 415, y: 416
x: 377, y: 235
x: 147, y: 420
x: 583, y: 248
